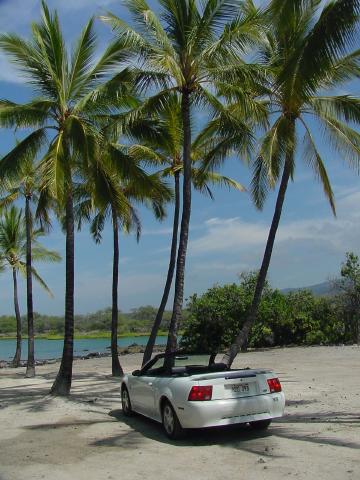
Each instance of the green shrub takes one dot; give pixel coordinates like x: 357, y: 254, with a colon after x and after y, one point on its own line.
x: 300, y: 318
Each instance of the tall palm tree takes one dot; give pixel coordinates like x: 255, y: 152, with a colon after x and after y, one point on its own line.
x: 26, y: 186
x: 307, y: 56
x: 165, y: 149
x: 13, y: 253
x: 62, y: 120
x: 112, y: 195
x: 189, y: 48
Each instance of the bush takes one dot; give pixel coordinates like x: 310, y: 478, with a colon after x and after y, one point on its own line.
x: 300, y: 318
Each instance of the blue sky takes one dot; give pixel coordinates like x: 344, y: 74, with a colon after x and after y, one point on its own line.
x: 227, y: 235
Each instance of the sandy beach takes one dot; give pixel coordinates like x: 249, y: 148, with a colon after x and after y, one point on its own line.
x: 87, y: 437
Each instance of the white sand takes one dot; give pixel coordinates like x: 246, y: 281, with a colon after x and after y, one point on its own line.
x: 86, y: 436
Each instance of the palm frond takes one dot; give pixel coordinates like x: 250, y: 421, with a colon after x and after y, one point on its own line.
x: 345, y: 69
x: 312, y: 157
x: 342, y: 107
x: 330, y: 38
x: 81, y: 60
x: 268, y: 163
x: 201, y: 179
x: 53, y: 168
x: 29, y: 60
x: 142, y: 153
x: 97, y: 227
x: 34, y: 114
x: 343, y: 139
x: 12, y: 163
x: 42, y: 254
x: 41, y: 282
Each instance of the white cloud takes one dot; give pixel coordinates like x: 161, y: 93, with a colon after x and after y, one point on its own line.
x: 235, y: 234
x: 306, y: 251
x: 227, y: 234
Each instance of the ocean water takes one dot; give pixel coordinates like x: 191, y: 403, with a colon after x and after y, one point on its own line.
x: 46, y: 349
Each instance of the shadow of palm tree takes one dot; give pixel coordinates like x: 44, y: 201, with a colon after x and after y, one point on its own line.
x: 321, y: 417
x: 92, y: 388
x: 290, y: 434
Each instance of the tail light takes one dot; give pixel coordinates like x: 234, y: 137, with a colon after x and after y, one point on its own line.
x: 200, y: 393
x: 274, y: 385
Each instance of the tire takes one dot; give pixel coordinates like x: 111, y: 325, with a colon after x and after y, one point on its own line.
x: 125, y: 402
x: 170, y: 421
x: 260, y: 424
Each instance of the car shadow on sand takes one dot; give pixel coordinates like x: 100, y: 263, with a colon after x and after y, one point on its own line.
x: 241, y: 437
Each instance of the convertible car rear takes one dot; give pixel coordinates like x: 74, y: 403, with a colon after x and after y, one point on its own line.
x: 187, y: 391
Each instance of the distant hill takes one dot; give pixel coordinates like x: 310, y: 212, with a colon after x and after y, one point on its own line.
x: 324, y: 289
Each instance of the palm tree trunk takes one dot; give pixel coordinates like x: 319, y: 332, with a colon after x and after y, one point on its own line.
x: 117, y: 371
x: 184, y: 230
x: 242, y: 337
x: 159, y: 316
x: 62, y: 384
x: 30, y: 367
x: 17, y: 356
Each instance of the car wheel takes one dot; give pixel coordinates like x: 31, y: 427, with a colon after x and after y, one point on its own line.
x: 125, y: 402
x: 260, y: 424
x: 170, y: 422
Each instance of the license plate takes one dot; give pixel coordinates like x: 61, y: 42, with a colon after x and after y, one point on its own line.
x: 240, y: 387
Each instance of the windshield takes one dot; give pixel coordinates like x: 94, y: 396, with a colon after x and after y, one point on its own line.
x: 186, y: 360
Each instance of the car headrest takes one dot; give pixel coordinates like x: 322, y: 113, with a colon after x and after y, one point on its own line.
x: 218, y: 367
x: 178, y: 370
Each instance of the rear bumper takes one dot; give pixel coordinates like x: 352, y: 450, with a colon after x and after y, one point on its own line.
x: 231, y: 411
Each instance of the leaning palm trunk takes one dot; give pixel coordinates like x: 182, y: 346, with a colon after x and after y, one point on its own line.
x: 62, y: 383
x: 242, y: 337
x: 184, y: 230
x: 17, y: 356
x: 117, y: 371
x: 159, y: 316
x: 30, y: 367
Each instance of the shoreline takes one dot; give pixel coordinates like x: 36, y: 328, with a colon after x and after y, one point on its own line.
x: 122, y: 351
x: 140, y: 349
x: 83, y: 336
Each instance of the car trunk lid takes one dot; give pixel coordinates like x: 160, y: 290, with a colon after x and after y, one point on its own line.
x: 235, y: 384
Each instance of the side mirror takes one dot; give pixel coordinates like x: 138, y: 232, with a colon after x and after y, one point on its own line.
x: 136, y: 373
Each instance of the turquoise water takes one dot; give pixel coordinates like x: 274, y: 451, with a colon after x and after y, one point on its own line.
x: 46, y: 349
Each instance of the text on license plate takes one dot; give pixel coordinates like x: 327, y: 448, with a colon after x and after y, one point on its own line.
x: 240, y: 387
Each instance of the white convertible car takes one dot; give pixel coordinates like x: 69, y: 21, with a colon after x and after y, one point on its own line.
x: 188, y: 391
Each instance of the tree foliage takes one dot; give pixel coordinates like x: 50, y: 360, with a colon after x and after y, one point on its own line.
x: 298, y: 318
x: 348, y: 299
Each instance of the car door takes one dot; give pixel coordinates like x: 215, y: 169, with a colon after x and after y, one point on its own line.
x: 142, y: 393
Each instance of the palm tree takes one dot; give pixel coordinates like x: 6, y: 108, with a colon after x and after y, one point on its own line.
x: 190, y: 48
x: 26, y: 186
x: 165, y: 149
x: 13, y: 253
x: 62, y: 120
x: 307, y: 56
x: 113, y: 194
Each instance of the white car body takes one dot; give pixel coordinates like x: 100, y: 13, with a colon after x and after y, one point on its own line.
x: 238, y: 396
